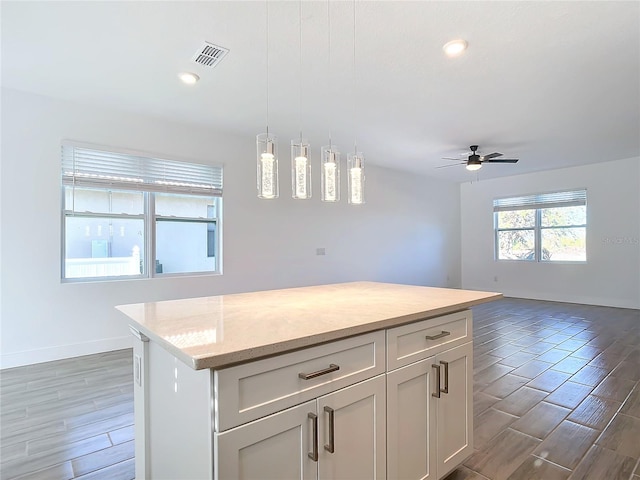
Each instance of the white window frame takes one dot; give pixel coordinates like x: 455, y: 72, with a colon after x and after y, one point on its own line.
x: 537, y: 202
x: 106, y: 168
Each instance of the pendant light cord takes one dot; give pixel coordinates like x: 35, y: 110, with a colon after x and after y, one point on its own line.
x: 267, y: 58
x: 300, y: 63
x: 355, y: 133
x: 329, y: 66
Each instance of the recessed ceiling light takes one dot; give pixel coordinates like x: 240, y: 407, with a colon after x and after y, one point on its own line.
x: 188, y: 77
x: 455, y: 47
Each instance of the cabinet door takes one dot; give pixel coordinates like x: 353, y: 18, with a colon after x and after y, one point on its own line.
x: 411, y: 426
x: 455, y: 408
x: 356, y: 415
x: 275, y: 447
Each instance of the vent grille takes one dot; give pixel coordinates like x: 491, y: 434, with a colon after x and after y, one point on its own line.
x: 209, y: 55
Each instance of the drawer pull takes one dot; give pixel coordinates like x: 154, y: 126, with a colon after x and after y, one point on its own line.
x: 314, y: 454
x: 331, y: 368
x: 436, y: 337
x: 331, y: 446
x: 437, y: 394
x: 446, y: 376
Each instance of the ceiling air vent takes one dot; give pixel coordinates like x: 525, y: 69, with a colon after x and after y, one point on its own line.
x: 210, y: 55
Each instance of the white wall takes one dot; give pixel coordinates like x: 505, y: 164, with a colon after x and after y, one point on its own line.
x: 611, y: 275
x: 408, y: 232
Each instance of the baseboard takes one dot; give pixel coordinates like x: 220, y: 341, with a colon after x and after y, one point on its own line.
x: 563, y: 297
x: 30, y: 357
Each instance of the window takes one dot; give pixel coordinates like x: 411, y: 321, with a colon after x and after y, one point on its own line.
x: 548, y: 227
x: 131, y: 216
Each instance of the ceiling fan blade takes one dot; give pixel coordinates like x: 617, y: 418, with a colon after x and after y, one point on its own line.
x: 502, y: 160
x: 491, y: 155
x: 451, y: 158
x: 452, y: 165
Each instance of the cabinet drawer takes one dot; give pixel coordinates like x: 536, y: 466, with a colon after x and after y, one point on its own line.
x: 419, y: 340
x: 246, y: 392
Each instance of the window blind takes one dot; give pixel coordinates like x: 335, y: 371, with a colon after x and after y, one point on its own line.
x: 88, y: 167
x: 542, y: 200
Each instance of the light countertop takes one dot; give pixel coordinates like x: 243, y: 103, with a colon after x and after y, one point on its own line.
x: 218, y: 331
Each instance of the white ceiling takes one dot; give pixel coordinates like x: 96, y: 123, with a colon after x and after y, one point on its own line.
x: 552, y: 83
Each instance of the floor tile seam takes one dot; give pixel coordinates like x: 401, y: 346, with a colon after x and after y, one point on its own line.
x: 577, y: 422
x: 608, y: 398
x: 97, y: 470
x: 595, y: 442
x: 4, y: 445
x: 564, y: 406
x: 62, y: 410
x: 482, y: 477
x: 517, y: 417
x: 523, y: 413
x: 623, y: 378
x: 4, y: 433
x: 538, y: 441
x: 25, y: 475
x: 553, y: 463
x: 64, y: 447
x: 75, y: 474
x: 566, y: 419
x: 64, y: 433
x: 94, y: 422
x: 603, y: 448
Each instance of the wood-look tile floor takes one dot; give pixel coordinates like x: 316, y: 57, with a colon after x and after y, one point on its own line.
x: 556, y: 392
x: 556, y: 397
x: 69, y: 419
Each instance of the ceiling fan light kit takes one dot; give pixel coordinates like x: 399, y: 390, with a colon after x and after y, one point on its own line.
x: 473, y: 165
x: 475, y: 161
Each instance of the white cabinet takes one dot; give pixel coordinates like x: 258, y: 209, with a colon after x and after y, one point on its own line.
x: 272, y: 448
x: 359, y: 432
x: 454, y: 417
x: 429, y: 415
x: 368, y: 405
x: 338, y: 436
x: 411, y: 443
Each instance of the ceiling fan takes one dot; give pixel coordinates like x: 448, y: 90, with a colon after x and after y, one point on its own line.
x: 475, y: 161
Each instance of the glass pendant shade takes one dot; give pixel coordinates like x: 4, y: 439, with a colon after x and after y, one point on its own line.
x: 267, y: 167
x: 355, y: 165
x: 330, y: 173
x: 300, y: 170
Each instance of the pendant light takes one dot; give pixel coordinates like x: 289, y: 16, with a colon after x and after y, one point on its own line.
x: 355, y: 160
x: 300, y: 164
x: 329, y: 154
x: 267, y: 144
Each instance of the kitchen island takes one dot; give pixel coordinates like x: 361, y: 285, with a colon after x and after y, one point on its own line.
x: 354, y: 380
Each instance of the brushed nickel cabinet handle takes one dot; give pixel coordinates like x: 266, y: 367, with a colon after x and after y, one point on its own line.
x: 314, y: 454
x: 331, y: 368
x: 331, y: 446
x: 437, y: 394
x: 446, y: 376
x: 436, y: 337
